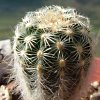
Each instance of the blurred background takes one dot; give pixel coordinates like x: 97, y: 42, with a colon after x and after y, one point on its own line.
x: 11, y: 12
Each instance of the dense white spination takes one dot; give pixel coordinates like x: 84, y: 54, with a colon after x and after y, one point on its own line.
x: 54, y: 18
x: 35, y: 47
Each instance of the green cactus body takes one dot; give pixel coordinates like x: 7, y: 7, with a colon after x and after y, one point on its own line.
x: 52, y: 52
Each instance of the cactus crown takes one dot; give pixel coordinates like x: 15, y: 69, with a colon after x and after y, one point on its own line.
x: 52, y: 51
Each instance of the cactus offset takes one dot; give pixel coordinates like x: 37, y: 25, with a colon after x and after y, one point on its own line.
x: 52, y: 52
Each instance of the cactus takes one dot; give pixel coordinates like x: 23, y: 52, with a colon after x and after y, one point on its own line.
x: 52, y: 53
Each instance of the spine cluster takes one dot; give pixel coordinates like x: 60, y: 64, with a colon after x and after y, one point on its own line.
x: 52, y: 52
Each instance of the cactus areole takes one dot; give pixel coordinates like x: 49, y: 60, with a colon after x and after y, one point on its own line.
x: 52, y: 53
